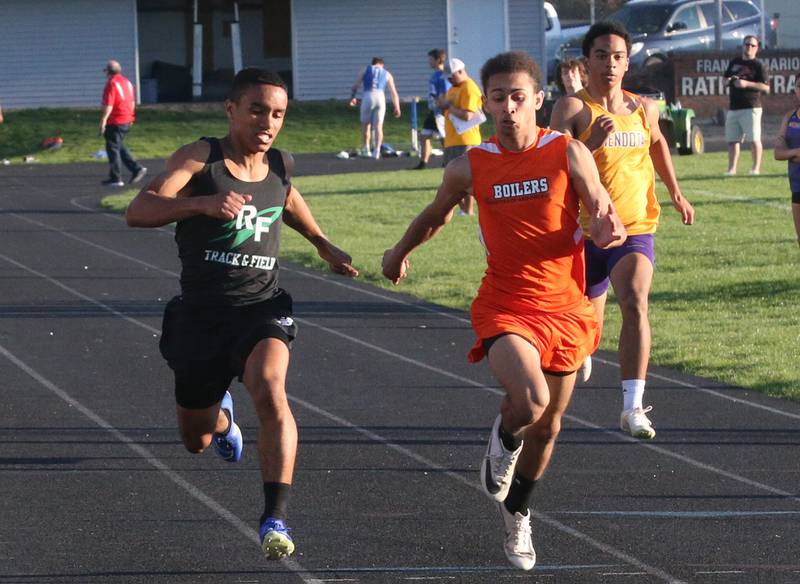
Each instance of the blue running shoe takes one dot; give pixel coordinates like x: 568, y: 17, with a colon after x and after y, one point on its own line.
x: 229, y: 446
x: 275, y: 539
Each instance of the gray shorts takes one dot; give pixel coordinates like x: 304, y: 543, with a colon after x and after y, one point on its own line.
x: 373, y: 107
x: 453, y: 152
x: 743, y: 125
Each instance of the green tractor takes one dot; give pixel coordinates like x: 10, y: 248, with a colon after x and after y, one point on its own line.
x: 678, y: 125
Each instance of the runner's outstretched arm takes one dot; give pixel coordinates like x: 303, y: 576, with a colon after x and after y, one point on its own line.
x: 393, y: 92
x: 456, y: 183
x: 297, y: 215
x: 164, y: 200
x: 662, y: 162
x: 606, y: 228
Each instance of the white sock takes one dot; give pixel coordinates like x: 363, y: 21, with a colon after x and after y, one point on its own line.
x: 632, y: 393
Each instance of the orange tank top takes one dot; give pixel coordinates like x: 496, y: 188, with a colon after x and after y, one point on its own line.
x: 528, y: 216
x: 625, y: 167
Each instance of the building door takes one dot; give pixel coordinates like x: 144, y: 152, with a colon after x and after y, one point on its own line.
x: 477, y: 30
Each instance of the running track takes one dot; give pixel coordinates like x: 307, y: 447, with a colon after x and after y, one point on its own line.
x: 393, y: 421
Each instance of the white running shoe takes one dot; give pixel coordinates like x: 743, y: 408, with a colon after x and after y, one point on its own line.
x: 518, y: 544
x: 586, y: 369
x: 635, y: 422
x: 497, y: 468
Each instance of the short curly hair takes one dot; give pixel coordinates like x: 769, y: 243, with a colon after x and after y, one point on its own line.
x: 604, y: 28
x: 512, y: 62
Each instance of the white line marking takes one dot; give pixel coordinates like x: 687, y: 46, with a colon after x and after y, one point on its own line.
x: 682, y: 514
x: 398, y: 300
x: 552, y: 522
x: 457, y: 318
x: 740, y: 199
x: 660, y: 450
x: 615, y: 434
x: 249, y: 533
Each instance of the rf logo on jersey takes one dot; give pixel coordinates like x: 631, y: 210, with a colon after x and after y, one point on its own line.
x: 250, y: 222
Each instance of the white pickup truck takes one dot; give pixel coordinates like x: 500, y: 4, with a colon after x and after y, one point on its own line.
x: 556, y: 36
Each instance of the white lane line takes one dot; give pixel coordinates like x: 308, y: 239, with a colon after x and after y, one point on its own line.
x: 249, y: 533
x: 472, y: 484
x: 458, y: 318
x: 683, y: 514
x: 740, y: 199
x: 465, y: 380
x: 552, y: 522
x: 398, y: 300
x: 585, y: 423
x: 615, y: 434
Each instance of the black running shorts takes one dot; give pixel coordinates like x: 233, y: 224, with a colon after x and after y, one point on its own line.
x: 206, y: 347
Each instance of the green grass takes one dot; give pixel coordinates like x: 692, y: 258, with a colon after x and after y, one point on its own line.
x: 724, y: 299
x: 310, y: 127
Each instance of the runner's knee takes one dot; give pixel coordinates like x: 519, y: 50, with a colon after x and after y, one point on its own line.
x: 269, y: 396
x: 547, y: 428
x: 634, y: 305
x: 519, y: 410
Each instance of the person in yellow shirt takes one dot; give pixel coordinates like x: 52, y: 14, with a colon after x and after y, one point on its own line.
x: 621, y: 130
x: 463, y: 101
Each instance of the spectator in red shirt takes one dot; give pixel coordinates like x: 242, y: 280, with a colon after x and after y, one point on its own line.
x: 119, y: 103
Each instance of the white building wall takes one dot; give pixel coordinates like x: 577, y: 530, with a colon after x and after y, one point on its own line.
x: 333, y: 42
x: 52, y: 52
x: 526, y: 28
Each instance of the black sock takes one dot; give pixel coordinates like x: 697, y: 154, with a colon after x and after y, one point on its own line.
x: 510, y: 442
x: 519, y: 495
x: 276, y: 500
x: 228, y: 417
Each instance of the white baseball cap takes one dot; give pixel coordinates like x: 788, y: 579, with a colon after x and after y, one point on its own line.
x: 454, y: 66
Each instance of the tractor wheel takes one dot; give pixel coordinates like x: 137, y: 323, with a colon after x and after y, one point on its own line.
x: 697, y: 144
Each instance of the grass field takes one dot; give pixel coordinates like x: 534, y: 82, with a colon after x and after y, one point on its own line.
x: 310, y: 127
x: 724, y: 299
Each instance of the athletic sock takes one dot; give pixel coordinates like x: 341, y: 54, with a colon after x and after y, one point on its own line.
x: 632, y: 393
x: 227, y: 417
x: 276, y: 500
x: 519, y: 495
x: 510, y: 442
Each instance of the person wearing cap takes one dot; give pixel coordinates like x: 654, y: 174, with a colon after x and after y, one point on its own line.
x: 462, y: 101
x: 119, y: 104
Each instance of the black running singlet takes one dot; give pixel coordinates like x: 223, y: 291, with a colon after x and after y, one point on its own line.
x: 233, y: 262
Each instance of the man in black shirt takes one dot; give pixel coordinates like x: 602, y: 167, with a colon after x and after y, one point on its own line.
x: 747, y: 79
x: 228, y: 198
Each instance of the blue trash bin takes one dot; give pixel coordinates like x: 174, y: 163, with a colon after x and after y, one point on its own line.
x: 149, y: 90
